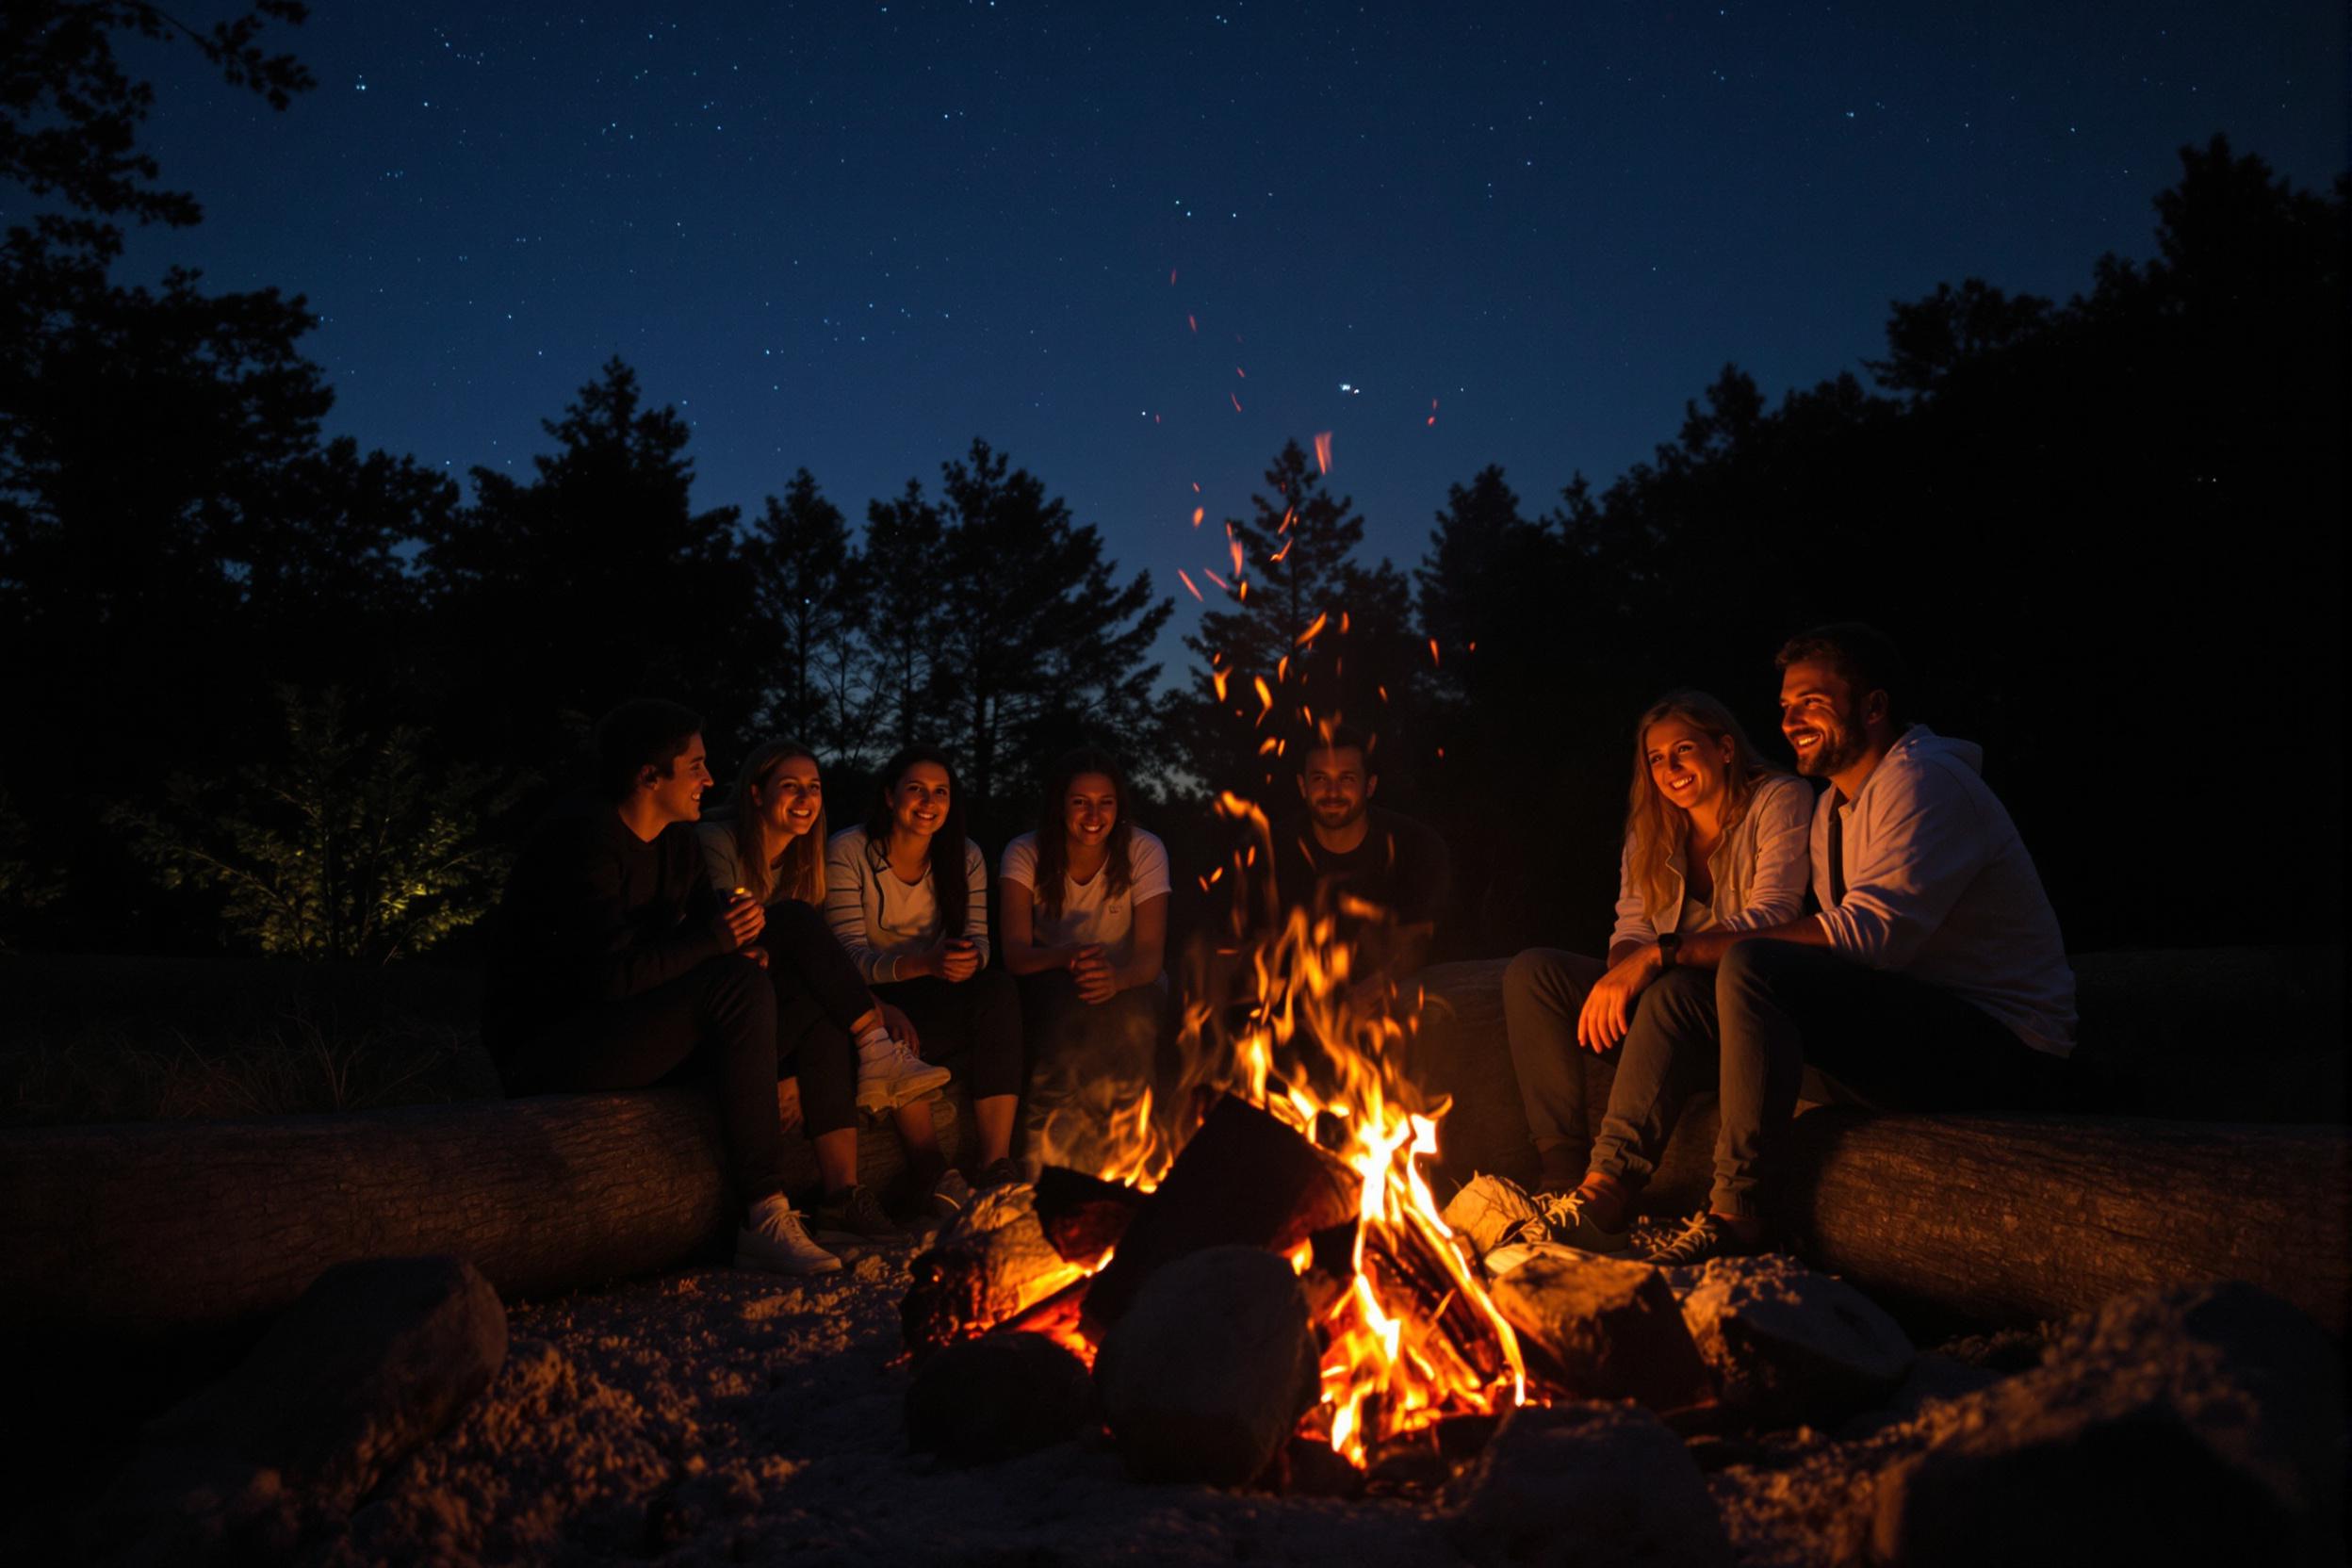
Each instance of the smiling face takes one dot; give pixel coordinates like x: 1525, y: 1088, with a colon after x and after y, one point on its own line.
x: 917, y: 799
x: 1089, y: 810
x: 678, y: 795
x: 1823, y: 719
x: 790, y: 798
x: 1337, y: 787
x: 1689, y: 767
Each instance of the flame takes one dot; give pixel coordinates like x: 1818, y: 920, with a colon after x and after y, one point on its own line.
x: 1323, y: 451
x: 1409, y: 1335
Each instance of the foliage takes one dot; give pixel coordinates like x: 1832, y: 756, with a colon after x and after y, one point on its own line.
x: 26, y: 887
x: 347, y: 846
x: 812, y: 587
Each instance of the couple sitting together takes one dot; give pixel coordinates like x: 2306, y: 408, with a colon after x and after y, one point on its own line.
x: 808, y: 980
x: 1925, y: 972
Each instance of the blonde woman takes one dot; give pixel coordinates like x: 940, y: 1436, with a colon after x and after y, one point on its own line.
x: 839, y: 1051
x: 1716, y: 840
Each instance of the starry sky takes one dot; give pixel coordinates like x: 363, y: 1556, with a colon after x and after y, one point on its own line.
x: 1139, y: 246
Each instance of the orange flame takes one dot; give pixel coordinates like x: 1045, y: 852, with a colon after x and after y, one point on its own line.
x: 1323, y: 451
x: 1313, y: 630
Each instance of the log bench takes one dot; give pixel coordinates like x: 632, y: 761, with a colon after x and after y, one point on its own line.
x: 2224, y: 1061
x: 145, y: 1232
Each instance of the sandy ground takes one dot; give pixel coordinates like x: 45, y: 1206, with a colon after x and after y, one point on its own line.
x: 724, y: 1416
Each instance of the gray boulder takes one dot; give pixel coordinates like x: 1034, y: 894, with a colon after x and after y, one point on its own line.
x: 1588, y: 1486
x: 1210, y: 1368
x: 369, y: 1361
x: 2190, y: 1428
x: 1788, y: 1344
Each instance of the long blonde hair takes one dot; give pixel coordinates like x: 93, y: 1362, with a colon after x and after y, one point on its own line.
x: 1655, y: 830
x: 801, y: 873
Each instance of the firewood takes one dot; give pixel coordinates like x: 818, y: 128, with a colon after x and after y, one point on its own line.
x: 1245, y: 1179
x: 1084, y: 1216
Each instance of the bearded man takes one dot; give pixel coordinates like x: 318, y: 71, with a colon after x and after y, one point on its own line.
x: 1933, y: 977
x: 1382, y: 877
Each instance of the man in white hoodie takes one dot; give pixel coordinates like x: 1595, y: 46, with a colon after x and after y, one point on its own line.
x: 1933, y: 978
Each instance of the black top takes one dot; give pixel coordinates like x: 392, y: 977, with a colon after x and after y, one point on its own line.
x: 592, y: 913
x: 1401, y: 866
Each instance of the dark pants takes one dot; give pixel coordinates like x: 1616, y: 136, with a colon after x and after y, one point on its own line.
x: 1090, y: 1068
x: 818, y: 995
x: 717, y: 1021
x: 1543, y: 991
x: 975, y: 1025
x: 1777, y: 1017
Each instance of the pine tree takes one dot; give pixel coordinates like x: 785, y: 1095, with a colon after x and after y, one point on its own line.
x: 812, y: 587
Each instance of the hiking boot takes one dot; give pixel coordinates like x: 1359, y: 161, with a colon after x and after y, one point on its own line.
x: 890, y: 1075
x: 853, y: 1214
x: 1707, y: 1236
x: 1560, y: 1218
x: 998, y: 1174
x: 774, y: 1240
x: 951, y: 1195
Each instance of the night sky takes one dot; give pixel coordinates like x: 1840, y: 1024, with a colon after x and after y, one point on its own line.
x: 1139, y: 246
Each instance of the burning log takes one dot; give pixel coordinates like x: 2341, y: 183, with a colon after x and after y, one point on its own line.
x: 1084, y: 1216
x: 1245, y: 1179
x: 994, y: 1261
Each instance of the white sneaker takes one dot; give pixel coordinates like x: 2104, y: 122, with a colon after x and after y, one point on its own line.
x: 891, y: 1070
x: 774, y: 1241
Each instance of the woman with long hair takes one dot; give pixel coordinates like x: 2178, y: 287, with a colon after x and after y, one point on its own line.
x: 908, y: 897
x: 838, y: 1050
x: 1716, y: 840
x: 1084, y: 904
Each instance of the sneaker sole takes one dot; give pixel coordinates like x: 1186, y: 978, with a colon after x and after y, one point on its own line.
x: 789, y: 1266
x: 859, y: 1239
x: 907, y: 1092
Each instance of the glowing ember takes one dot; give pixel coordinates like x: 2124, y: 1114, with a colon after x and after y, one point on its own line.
x: 1315, y: 629
x: 1323, y: 451
x: 1196, y: 593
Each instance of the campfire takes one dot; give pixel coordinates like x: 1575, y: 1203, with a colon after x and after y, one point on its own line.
x: 1298, y: 1134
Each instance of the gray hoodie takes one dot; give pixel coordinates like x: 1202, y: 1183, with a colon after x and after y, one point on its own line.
x: 1939, y: 884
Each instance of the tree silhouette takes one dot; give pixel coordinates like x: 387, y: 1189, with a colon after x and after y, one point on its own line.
x: 810, y: 587
x: 1331, y: 638
x: 596, y: 581
x: 1038, y: 644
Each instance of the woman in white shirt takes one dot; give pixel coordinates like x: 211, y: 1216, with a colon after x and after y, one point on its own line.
x: 840, y: 1050
x: 1716, y: 840
x: 908, y: 897
x: 1084, y: 902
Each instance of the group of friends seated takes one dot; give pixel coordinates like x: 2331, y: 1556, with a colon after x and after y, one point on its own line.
x: 1885, y: 939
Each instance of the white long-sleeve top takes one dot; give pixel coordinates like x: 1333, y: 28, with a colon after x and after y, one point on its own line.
x: 1759, y: 872
x: 1939, y: 884
x: 878, y: 919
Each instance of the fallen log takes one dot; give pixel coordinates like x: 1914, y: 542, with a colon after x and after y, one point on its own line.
x: 151, y: 1230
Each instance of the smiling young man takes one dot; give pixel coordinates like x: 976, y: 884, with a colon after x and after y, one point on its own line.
x: 1933, y: 977
x: 614, y: 965
x: 1344, y: 850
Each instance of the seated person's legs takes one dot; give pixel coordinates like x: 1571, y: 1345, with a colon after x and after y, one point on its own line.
x: 1669, y: 1053
x: 1091, y: 1067
x: 1544, y: 990
x: 979, y: 1018
x: 719, y: 1016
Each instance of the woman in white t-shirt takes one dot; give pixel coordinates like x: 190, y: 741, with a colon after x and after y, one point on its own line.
x: 1083, y: 902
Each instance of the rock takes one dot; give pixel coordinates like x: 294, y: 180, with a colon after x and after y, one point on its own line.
x: 987, y: 1264
x: 371, y: 1361
x: 1603, y: 1329
x: 2190, y: 1426
x: 1486, y: 1210
x: 1209, y: 1368
x: 1788, y: 1344
x: 997, y: 1397
x: 1588, y: 1486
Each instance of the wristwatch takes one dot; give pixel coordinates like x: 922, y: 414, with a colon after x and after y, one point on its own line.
x: 1668, y: 945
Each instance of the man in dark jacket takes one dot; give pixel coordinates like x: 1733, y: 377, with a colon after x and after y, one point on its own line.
x: 615, y: 966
